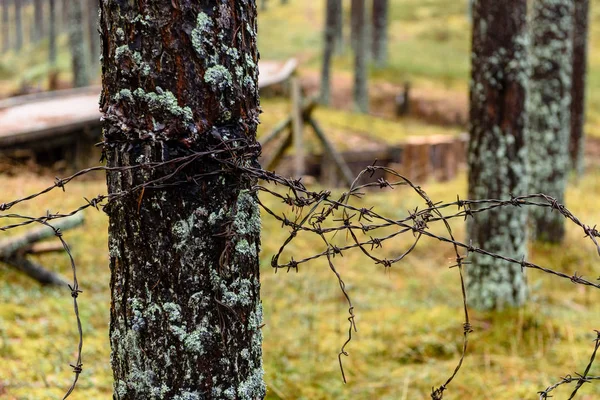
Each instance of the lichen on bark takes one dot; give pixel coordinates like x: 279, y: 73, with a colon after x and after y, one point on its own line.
x: 186, y: 315
x: 549, y: 110
x: 497, y: 150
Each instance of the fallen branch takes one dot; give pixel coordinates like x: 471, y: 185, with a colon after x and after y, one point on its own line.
x: 14, y: 250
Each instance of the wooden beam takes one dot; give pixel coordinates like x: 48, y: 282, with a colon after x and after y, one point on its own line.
x: 297, y: 128
x: 10, y: 246
x: 333, y: 153
x: 35, y: 271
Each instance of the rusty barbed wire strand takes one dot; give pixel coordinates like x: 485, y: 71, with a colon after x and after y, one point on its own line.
x: 319, y: 213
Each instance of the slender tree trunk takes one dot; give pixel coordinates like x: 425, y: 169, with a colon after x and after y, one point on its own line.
x: 18, y: 25
x: 549, y: 109
x: 580, y: 50
x: 52, y: 33
x: 263, y: 5
x: 92, y: 12
x: 357, y: 17
x: 79, y: 49
x: 339, y: 27
x: 331, y: 22
x: 361, y: 89
x: 39, y: 28
x: 5, y: 26
x: 497, y: 150
x: 185, y: 311
x: 380, y: 32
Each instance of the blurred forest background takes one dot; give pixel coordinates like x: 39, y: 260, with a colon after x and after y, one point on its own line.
x: 408, y: 317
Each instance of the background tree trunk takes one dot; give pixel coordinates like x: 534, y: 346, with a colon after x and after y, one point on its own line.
x: 331, y: 22
x: 39, y: 28
x: 357, y: 16
x: 186, y: 312
x: 94, y: 38
x: 5, y: 26
x: 339, y: 27
x: 580, y: 50
x: 52, y: 32
x: 79, y: 50
x: 380, y: 32
x: 361, y: 89
x: 18, y: 26
x: 497, y: 150
x: 549, y: 109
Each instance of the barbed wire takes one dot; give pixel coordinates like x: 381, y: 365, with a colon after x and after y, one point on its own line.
x: 322, y: 214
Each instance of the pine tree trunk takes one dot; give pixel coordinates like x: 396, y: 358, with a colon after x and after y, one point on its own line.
x: 549, y: 109
x: 186, y: 315
x: 52, y: 32
x: 94, y: 38
x: 357, y: 15
x: 339, y: 27
x: 580, y: 50
x: 328, y: 48
x: 39, y: 22
x: 79, y: 50
x: 497, y: 150
x: 361, y: 91
x: 18, y: 26
x: 5, y: 26
x: 380, y: 32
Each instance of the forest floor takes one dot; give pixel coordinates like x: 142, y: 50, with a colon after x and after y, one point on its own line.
x: 408, y: 317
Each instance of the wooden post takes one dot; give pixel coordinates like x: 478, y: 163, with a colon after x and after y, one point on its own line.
x: 297, y: 127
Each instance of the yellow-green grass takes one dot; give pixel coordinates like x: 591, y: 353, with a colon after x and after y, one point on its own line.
x: 408, y: 317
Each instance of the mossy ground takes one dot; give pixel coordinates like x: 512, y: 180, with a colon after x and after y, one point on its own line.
x: 408, y: 317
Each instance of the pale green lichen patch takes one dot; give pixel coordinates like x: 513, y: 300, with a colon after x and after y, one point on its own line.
x: 163, y: 101
x: 218, y: 77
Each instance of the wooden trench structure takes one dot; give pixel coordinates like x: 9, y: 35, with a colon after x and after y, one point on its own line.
x: 64, y: 126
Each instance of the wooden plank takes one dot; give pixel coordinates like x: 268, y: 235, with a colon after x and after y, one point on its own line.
x: 270, y: 163
x: 333, y: 153
x: 297, y: 128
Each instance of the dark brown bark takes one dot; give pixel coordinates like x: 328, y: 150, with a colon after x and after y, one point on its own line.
x: 185, y: 311
x: 497, y: 150
x: 380, y: 31
x: 332, y: 13
x: 361, y: 89
x: 580, y: 50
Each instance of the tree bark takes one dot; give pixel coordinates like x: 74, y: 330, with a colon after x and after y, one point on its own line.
x: 580, y: 50
x: 5, y: 26
x: 185, y: 309
x: 331, y: 23
x: 357, y: 17
x: 380, y: 32
x: 18, y: 26
x: 361, y: 89
x: 79, y: 50
x: 339, y: 27
x: 497, y: 150
x: 52, y: 32
x: 94, y: 38
x: 549, y: 110
x: 39, y: 28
